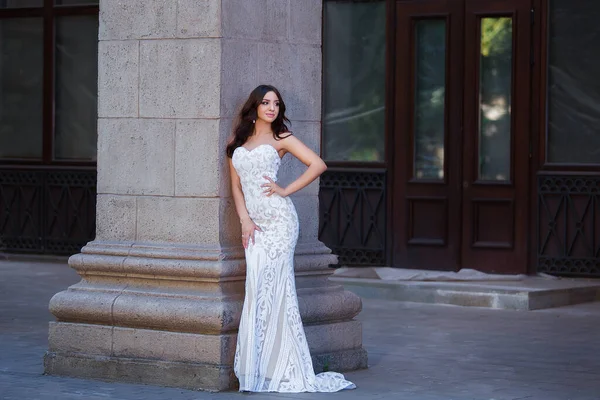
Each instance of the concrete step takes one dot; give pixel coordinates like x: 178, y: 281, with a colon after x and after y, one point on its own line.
x: 531, y: 293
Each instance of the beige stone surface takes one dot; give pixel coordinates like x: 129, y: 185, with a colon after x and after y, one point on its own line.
x: 299, y: 77
x: 225, y: 135
x: 337, y: 336
x: 198, y: 18
x: 179, y: 314
x: 80, y: 338
x: 251, y: 20
x: 307, y: 208
x: 179, y: 78
x: 241, y: 75
x: 115, y: 217
x: 178, y: 220
x: 193, y: 376
x: 118, y: 74
x: 137, y: 19
x: 322, y: 305
x: 198, y: 169
x: 85, y: 306
x: 158, y: 260
x: 191, y: 310
x: 182, y: 347
x: 305, y: 21
x: 230, y: 231
x: 135, y: 156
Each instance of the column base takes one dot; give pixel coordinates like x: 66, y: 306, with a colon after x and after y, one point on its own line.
x: 168, y: 315
x: 183, y: 360
x: 185, y: 375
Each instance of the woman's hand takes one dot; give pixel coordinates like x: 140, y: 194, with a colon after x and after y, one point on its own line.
x: 271, y: 187
x: 248, y: 229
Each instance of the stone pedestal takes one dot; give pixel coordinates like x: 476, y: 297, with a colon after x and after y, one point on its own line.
x: 162, y: 284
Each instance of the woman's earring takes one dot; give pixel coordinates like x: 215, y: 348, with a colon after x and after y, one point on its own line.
x: 253, y: 121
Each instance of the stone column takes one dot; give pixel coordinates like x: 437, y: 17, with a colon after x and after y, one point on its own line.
x: 162, y: 284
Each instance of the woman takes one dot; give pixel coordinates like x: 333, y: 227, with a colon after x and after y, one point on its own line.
x: 272, y: 354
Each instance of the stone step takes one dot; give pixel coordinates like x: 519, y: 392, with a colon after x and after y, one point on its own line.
x: 531, y: 293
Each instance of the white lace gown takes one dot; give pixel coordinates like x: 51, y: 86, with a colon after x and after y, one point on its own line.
x: 272, y: 354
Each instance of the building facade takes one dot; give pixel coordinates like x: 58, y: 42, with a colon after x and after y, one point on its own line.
x: 462, y: 134
x: 458, y: 133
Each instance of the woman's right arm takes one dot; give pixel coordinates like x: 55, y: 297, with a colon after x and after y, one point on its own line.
x: 248, y: 226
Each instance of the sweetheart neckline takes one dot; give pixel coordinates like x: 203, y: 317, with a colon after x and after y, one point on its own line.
x: 260, y: 145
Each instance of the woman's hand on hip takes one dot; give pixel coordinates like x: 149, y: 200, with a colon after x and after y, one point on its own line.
x: 271, y: 187
x: 248, y: 229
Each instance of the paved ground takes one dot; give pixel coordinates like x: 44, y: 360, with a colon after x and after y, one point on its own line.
x: 417, y: 352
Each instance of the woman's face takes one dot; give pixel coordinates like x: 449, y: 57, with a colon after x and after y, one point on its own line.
x: 268, y: 109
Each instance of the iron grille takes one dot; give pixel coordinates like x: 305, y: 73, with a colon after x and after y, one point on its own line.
x: 47, y: 211
x: 569, y: 225
x: 352, y: 215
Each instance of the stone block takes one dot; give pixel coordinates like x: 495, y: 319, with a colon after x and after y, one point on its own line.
x: 193, y: 314
x: 180, y: 263
x: 180, y: 78
x: 135, y: 156
x: 307, y: 208
x: 193, y: 376
x: 225, y: 135
x: 321, y: 305
x: 118, y: 73
x: 241, y: 75
x: 341, y: 361
x: 230, y: 232
x: 305, y: 21
x: 198, y: 169
x: 265, y: 20
x: 137, y: 19
x: 182, y: 347
x: 337, y: 336
x: 198, y: 18
x: 80, y: 338
x: 296, y: 71
x: 115, y: 217
x: 85, y: 305
x: 313, y: 257
x: 178, y: 220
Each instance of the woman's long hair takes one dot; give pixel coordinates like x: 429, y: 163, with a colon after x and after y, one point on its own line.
x: 245, y: 126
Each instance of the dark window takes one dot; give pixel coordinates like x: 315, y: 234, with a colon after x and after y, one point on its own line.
x: 354, y: 81
x: 74, y: 2
x: 21, y: 3
x: 573, y: 86
x: 76, y: 80
x: 21, y: 87
x: 48, y: 81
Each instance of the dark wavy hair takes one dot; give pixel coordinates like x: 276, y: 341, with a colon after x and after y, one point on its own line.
x: 244, y: 127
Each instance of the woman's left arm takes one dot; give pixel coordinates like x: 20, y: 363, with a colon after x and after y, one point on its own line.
x: 316, y: 166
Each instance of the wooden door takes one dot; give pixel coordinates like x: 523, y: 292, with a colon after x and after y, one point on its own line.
x: 461, y: 159
x: 427, y: 132
x: 496, y: 136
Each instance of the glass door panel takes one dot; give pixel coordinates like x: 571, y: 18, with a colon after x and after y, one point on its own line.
x: 495, y: 98
x: 429, y: 99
